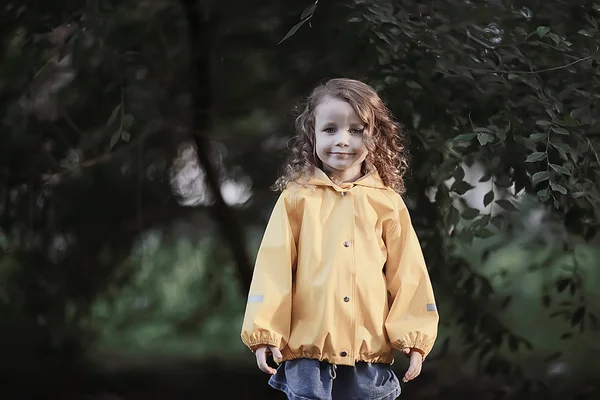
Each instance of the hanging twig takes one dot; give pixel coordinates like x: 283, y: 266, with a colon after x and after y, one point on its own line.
x: 536, y: 71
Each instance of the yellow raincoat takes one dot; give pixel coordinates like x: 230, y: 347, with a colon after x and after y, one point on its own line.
x: 340, y: 276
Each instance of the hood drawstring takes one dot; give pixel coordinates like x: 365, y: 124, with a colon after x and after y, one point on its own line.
x: 332, y: 371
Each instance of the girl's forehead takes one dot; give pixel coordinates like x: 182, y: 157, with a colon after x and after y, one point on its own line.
x: 335, y: 108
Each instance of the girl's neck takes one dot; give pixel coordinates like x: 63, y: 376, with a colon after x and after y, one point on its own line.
x: 349, y: 175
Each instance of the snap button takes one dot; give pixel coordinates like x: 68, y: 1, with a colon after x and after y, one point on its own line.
x: 343, y: 354
x: 344, y: 194
x: 346, y: 299
x: 346, y: 244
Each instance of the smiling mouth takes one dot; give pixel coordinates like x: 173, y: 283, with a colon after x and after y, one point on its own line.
x: 341, y: 154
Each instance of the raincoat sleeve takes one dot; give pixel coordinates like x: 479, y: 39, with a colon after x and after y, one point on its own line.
x: 267, y: 318
x: 413, y: 318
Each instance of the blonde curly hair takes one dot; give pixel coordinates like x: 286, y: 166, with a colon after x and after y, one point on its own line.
x: 385, y: 140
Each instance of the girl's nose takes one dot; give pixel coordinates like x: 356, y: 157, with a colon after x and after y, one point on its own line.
x: 342, y: 139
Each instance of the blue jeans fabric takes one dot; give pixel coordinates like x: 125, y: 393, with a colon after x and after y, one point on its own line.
x: 304, y: 379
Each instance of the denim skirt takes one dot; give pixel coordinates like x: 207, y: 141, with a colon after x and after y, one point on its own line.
x: 304, y: 379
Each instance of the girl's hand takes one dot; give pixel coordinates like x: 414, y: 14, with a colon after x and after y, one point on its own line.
x: 261, y: 357
x: 416, y: 363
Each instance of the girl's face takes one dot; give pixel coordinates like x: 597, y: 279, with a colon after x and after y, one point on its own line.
x: 339, y: 139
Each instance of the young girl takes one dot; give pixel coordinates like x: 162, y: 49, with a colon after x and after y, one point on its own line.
x: 340, y: 280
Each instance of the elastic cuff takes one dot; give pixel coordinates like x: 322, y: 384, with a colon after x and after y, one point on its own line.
x: 420, y: 345
x: 267, y: 342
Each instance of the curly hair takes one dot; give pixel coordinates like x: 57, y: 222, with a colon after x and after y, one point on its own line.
x: 385, y: 140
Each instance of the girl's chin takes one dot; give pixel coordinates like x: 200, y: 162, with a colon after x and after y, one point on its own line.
x: 337, y: 166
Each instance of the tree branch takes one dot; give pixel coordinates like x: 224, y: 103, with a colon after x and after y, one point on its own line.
x: 199, y: 34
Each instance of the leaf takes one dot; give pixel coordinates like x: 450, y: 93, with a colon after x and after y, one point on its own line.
x: 505, y: 302
x: 485, y: 178
x: 543, y: 122
x: 539, y: 177
x: 114, y: 139
x: 563, y: 313
x: 562, y: 147
x: 543, y: 194
x: 542, y: 30
x: 470, y: 213
x: 414, y: 85
x: 578, y: 316
x: 558, y: 188
x: 554, y: 37
x: 566, y: 336
x: 585, y: 33
x: 562, y: 285
x: 498, y: 222
x: 485, y: 138
x: 125, y: 136
x: 482, y: 222
x: 537, y: 156
x: 308, y: 12
x: 506, y: 204
x: 503, y: 181
x: 459, y: 173
x: 114, y: 114
x: 568, y: 120
x: 461, y: 187
x: 485, y: 233
x: 488, y: 198
x: 538, y: 137
x: 483, y: 130
x: 559, y: 130
x: 465, y: 137
x: 466, y: 236
x: 293, y: 30
x: 128, y: 120
x: 546, y: 299
x: 560, y: 168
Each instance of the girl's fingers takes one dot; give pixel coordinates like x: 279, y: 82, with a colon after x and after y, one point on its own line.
x: 414, y: 369
x: 409, y: 373
x: 417, y: 371
x: 276, y: 352
x: 261, y: 359
x: 260, y: 356
x: 269, y: 370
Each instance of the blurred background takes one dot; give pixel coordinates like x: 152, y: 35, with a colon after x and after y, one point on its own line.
x: 139, y: 138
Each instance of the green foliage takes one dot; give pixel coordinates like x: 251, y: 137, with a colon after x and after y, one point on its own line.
x: 181, y: 300
x: 95, y: 104
x: 84, y: 150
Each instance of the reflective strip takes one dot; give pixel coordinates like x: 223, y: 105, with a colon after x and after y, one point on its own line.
x: 431, y: 307
x: 256, y: 299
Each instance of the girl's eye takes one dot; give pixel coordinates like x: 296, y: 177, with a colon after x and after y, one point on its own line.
x: 329, y: 130
x: 357, y: 131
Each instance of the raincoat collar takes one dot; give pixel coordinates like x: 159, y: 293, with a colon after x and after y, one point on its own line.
x: 370, y: 179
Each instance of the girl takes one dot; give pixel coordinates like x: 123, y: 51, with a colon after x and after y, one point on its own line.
x: 340, y: 280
